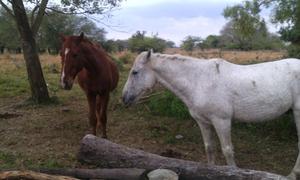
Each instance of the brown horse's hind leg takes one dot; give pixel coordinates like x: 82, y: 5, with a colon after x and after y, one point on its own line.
x: 102, y: 103
x: 92, y: 111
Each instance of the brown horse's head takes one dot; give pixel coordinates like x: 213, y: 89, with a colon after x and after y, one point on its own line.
x: 72, y: 59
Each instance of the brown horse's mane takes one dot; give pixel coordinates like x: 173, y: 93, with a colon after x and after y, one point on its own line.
x: 97, y: 47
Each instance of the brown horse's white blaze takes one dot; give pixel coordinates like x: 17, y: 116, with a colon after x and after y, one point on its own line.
x: 96, y: 73
x: 63, y: 84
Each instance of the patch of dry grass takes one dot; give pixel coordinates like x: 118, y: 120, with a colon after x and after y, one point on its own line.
x: 239, y: 57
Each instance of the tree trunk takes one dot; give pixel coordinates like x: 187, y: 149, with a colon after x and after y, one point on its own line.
x: 39, y: 91
x: 106, y: 154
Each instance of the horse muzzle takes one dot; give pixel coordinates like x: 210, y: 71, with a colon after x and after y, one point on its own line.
x: 128, y: 99
x: 67, y: 85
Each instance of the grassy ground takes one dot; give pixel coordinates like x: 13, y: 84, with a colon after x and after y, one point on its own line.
x: 48, y: 136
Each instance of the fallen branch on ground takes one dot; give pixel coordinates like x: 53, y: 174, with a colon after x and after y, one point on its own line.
x: 106, y: 154
x: 30, y: 175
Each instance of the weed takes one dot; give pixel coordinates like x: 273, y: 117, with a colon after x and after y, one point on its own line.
x: 7, y: 160
x: 167, y: 104
x: 126, y: 57
x: 13, y: 84
x: 118, y: 62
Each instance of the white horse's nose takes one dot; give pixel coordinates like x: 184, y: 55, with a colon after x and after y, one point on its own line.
x: 127, y: 99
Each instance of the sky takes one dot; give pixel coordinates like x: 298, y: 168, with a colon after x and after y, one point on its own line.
x: 169, y: 19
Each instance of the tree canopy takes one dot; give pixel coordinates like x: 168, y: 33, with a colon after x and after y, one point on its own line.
x: 285, y: 13
x: 139, y: 42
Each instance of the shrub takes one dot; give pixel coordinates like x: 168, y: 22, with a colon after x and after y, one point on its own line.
x: 126, y: 57
x: 294, y: 51
x: 118, y: 62
x: 167, y: 104
x: 140, y: 42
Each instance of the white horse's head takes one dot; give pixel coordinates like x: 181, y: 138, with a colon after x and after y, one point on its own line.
x: 141, y: 78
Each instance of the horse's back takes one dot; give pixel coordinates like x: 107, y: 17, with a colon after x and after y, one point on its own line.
x: 264, y: 91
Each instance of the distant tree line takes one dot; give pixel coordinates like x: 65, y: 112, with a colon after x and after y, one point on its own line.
x: 245, y: 30
x: 55, y: 24
x: 229, y: 38
x: 246, y: 22
x: 48, y: 37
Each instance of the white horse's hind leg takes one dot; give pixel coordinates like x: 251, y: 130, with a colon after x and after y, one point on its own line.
x: 208, y: 139
x: 296, y: 169
x: 223, y: 129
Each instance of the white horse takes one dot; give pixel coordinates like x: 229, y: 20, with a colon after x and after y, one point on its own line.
x: 217, y: 92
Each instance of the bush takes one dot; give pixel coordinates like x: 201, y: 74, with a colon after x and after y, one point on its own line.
x: 119, y: 63
x: 167, y: 104
x: 140, y: 42
x: 126, y: 57
x: 294, y: 51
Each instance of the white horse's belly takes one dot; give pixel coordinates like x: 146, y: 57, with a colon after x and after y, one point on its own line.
x: 262, y: 104
x: 260, y: 112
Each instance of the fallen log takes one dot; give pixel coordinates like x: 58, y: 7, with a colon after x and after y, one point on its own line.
x: 31, y: 175
x: 120, y: 173
x: 106, y: 154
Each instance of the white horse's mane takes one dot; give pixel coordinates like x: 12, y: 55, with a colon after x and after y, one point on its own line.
x: 179, y: 57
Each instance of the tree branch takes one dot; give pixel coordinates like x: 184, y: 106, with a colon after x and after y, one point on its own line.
x: 39, y: 17
x: 9, y: 11
x: 33, y: 12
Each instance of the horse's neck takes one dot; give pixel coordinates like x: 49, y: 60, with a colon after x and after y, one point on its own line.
x: 91, y: 63
x: 174, y: 76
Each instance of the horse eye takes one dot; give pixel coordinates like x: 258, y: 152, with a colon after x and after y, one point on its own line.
x: 134, y: 72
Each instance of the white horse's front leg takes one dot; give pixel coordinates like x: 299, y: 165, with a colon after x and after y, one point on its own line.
x: 296, y: 169
x: 223, y: 129
x: 208, y: 139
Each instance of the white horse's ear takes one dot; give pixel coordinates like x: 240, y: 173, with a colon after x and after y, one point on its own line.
x: 150, y: 51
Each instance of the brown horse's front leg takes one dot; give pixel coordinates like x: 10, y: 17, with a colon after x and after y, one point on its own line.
x: 102, y: 103
x: 92, y: 111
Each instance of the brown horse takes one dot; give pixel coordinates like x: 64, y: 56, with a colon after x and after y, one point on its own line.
x: 97, y: 75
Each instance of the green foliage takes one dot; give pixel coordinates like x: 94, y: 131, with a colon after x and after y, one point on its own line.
x: 261, y: 39
x: 126, y: 57
x: 7, y: 160
x: 246, y: 30
x: 245, y: 18
x: 13, y: 84
x: 56, y: 24
x: 88, y: 6
x: 190, y: 42
x: 167, y: 104
x: 118, y: 62
x: 9, y: 36
x: 140, y: 42
x: 282, y: 128
x: 294, y: 50
x: 285, y: 13
x: 211, y: 41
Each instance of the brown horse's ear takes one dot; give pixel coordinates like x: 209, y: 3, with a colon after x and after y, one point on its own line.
x: 62, y: 37
x: 81, y: 36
